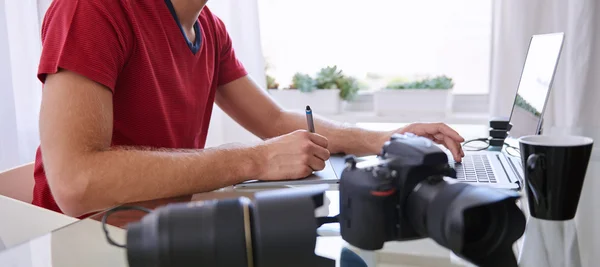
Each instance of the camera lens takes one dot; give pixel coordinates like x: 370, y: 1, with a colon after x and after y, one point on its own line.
x: 484, y: 228
x: 479, y: 222
x: 190, y: 234
x: 473, y: 221
x: 231, y: 232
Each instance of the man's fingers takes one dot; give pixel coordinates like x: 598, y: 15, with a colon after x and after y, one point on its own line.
x: 446, y: 130
x: 319, y: 139
x: 442, y: 140
x: 434, y: 138
x: 316, y: 163
x: 454, y: 147
x: 439, y: 136
x: 319, y: 152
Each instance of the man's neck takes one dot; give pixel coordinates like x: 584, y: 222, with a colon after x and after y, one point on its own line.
x: 188, y: 12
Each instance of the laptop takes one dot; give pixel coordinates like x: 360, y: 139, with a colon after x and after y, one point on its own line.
x: 503, y: 169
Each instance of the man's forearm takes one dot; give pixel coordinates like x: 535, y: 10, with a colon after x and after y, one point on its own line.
x: 123, y: 175
x: 343, y: 137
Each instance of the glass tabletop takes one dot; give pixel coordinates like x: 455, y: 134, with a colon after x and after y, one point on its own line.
x: 84, y: 243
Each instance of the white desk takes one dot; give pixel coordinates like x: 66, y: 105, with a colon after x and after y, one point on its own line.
x: 20, y: 221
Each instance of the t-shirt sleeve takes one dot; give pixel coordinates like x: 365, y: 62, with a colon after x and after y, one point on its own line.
x: 230, y: 68
x: 87, y: 37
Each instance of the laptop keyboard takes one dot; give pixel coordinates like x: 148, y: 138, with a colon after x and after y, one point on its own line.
x: 475, y: 169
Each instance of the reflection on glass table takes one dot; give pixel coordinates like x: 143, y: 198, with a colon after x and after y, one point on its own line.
x: 83, y: 243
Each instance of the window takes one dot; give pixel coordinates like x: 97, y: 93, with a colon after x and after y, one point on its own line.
x: 380, y: 40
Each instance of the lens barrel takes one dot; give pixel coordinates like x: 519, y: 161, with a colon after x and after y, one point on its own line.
x: 232, y: 232
x: 476, y: 222
x: 190, y: 235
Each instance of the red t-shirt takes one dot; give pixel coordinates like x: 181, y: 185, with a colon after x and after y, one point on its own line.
x: 163, y: 85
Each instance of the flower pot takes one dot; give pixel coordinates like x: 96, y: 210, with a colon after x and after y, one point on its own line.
x: 428, y: 102
x: 321, y: 101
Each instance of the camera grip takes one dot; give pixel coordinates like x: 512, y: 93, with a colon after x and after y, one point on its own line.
x: 367, y: 219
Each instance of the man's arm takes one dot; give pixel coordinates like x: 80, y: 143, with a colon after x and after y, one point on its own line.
x: 86, y: 174
x: 251, y: 106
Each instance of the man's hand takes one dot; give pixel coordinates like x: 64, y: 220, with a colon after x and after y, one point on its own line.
x: 439, y: 133
x: 292, y: 156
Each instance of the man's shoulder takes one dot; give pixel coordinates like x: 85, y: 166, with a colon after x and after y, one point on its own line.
x: 211, y: 21
x: 99, y: 5
x: 67, y: 9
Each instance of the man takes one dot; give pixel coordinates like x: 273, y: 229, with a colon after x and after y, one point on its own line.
x: 129, y: 87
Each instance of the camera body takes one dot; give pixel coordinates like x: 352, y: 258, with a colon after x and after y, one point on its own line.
x: 407, y: 193
x: 372, y: 193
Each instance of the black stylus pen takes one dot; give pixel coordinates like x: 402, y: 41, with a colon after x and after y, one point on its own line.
x: 311, y: 126
x: 309, y: 120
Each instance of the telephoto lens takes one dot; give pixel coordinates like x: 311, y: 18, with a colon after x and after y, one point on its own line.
x: 276, y: 228
x: 207, y: 233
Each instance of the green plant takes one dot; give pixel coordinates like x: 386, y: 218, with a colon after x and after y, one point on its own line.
x: 348, y: 86
x: 327, y: 78
x: 398, y: 80
x: 271, y: 82
x: 303, y: 82
x: 331, y: 77
x: 439, y: 82
x: 520, y: 102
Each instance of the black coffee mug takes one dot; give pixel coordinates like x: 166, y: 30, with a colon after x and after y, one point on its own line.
x: 554, y: 168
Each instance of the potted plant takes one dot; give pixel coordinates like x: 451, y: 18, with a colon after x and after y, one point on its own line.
x: 429, y: 96
x: 324, y: 93
x: 271, y: 82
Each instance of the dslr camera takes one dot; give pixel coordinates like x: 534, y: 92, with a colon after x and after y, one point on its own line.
x: 408, y: 193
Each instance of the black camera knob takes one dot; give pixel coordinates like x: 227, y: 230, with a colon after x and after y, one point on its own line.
x: 382, y: 173
x: 350, y: 162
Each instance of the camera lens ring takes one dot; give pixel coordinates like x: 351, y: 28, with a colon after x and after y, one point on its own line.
x: 494, y: 233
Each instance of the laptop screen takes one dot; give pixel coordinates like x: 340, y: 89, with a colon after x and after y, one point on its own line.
x: 534, y: 86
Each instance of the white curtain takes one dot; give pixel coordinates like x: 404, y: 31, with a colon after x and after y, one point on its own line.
x: 20, y: 91
x: 576, y: 88
x: 574, y: 103
x: 242, y: 22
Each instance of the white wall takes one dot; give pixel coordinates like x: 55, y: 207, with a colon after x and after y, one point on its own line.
x: 20, y: 90
x: 8, y: 122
